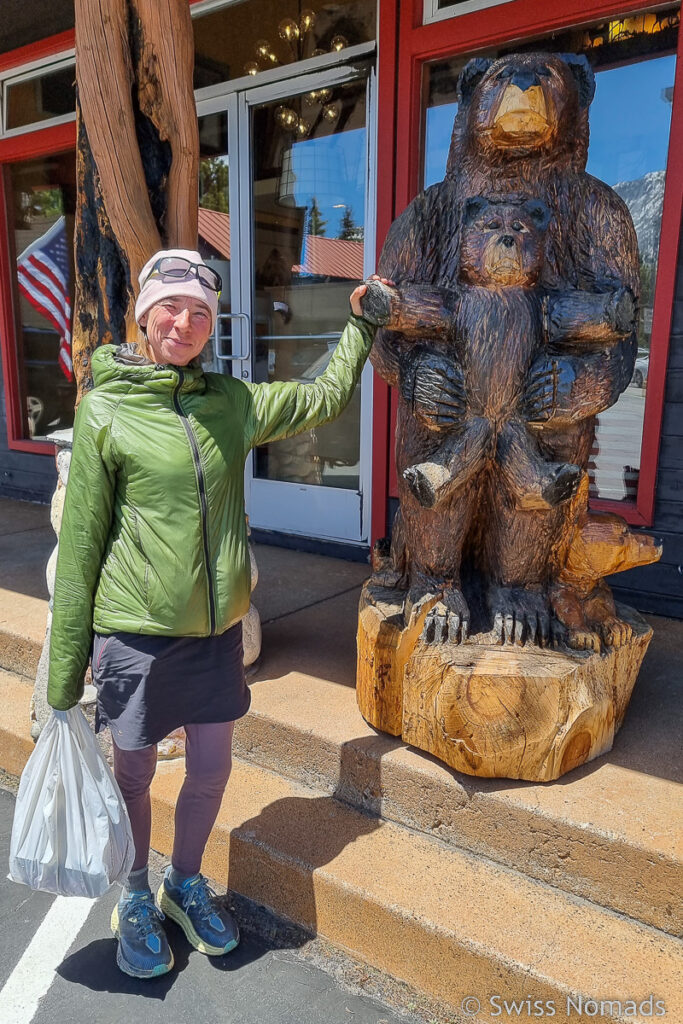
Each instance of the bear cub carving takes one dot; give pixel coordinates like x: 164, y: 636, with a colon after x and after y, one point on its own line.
x: 497, y: 333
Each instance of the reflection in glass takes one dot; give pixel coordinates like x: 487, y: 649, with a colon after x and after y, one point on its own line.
x: 214, y: 229
x: 255, y: 35
x: 465, y: 6
x: 634, y: 60
x: 45, y: 96
x: 29, y: 22
x: 42, y: 195
x: 309, y: 203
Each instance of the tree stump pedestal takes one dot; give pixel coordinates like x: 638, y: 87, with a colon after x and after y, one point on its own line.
x: 489, y: 710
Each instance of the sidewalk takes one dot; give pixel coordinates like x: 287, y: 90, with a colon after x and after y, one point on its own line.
x: 383, y: 850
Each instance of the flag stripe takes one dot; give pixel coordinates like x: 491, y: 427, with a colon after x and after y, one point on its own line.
x: 45, y: 309
x: 43, y: 276
x: 59, y: 304
x: 41, y: 261
x: 65, y: 362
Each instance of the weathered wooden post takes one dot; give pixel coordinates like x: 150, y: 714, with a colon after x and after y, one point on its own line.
x: 137, y: 160
x: 487, y: 634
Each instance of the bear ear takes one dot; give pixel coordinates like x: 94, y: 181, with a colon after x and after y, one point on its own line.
x: 473, y: 208
x: 470, y: 76
x: 583, y: 76
x: 539, y: 212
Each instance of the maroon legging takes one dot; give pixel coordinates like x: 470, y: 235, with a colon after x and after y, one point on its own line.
x: 208, y: 760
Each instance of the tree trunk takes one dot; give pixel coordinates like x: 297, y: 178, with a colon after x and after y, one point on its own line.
x: 137, y: 158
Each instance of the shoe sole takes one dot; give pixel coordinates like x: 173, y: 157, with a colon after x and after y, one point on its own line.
x: 172, y: 910
x: 128, y: 968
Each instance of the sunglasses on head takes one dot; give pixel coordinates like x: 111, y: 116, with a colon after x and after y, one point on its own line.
x: 178, y: 268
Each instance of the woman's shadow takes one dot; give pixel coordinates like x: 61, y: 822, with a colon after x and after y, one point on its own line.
x: 279, y: 858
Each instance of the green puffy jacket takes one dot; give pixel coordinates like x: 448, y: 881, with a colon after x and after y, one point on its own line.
x: 153, y: 536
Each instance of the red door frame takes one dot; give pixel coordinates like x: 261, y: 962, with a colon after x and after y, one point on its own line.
x: 493, y: 26
x: 387, y: 75
x: 25, y: 146
x: 43, y: 142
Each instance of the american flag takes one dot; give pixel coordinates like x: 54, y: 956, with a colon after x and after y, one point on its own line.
x: 43, y: 274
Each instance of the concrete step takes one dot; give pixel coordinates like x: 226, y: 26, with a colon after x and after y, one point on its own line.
x: 15, y: 727
x: 608, y: 832
x: 19, y: 654
x: 26, y: 542
x: 452, y: 925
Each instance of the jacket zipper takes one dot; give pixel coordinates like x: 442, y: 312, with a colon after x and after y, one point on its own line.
x: 201, y: 483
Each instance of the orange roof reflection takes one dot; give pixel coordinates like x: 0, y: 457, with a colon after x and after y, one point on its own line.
x: 325, y: 257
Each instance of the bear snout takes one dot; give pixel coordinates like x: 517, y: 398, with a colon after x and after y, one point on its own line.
x: 642, y: 549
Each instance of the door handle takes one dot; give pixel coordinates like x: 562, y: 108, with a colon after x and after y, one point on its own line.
x: 241, y: 356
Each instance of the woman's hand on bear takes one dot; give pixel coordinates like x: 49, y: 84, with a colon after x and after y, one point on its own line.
x: 358, y: 293
x: 434, y: 386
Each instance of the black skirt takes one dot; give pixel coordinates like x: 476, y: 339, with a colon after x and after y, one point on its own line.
x: 147, y: 686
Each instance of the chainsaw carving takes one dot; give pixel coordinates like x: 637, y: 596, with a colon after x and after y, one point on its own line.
x: 510, y: 328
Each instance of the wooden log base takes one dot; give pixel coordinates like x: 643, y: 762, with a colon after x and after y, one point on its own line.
x: 488, y: 710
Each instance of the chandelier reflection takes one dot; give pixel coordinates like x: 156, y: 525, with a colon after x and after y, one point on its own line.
x: 316, y: 105
x: 627, y: 29
x: 300, y: 38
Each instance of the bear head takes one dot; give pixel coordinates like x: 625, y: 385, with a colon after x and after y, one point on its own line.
x: 525, y: 105
x: 502, y: 243
x: 606, y: 544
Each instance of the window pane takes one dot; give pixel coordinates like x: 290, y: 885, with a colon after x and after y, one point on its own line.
x: 309, y: 212
x: 254, y: 35
x: 42, y: 198
x: 465, y: 6
x: 214, y: 228
x: 41, y: 98
x: 25, y: 23
x: 634, y: 61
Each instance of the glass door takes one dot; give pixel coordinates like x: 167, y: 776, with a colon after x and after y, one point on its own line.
x: 304, y: 166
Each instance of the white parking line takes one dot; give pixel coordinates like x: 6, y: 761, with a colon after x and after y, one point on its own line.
x: 35, y: 972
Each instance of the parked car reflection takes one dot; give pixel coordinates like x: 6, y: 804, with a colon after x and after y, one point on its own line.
x: 50, y: 397
x: 639, y: 378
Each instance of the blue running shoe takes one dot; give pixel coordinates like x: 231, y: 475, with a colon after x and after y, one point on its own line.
x: 208, y: 924
x: 143, y: 950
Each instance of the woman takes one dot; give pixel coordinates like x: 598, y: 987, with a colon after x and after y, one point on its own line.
x: 153, y: 573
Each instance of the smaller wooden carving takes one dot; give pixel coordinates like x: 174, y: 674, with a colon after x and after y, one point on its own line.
x: 512, y: 324
x: 597, y: 545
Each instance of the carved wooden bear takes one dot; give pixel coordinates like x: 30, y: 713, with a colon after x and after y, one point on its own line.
x: 521, y: 128
x: 598, y: 544
x: 495, y: 334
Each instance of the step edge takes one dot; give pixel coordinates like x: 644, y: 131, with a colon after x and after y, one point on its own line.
x: 403, y: 831
x: 494, y: 799
x: 333, y: 748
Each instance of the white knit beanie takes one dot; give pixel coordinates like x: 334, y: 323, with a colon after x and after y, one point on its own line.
x: 157, y: 287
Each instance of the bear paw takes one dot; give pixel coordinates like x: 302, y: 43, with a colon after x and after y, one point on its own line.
x: 449, y: 620
x: 615, y: 632
x: 584, y: 640
x: 519, y: 616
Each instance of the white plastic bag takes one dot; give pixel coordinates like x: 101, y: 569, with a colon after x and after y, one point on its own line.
x: 71, y: 833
